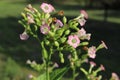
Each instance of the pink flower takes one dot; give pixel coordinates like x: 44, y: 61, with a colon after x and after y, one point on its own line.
x: 82, y: 21
x: 92, y: 52
x: 30, y: 19
x: 45, y: 29
x: 73, y: 41
x: 115, y: 76
x: 47, y: 8
x: 81, y: 32
x: 59, y: 23
x: 87, y: 36
x: 102, y: 67
x: 24, y: 36
x: 84, y: 13
x: 92, y: 63
x: 104, y: 45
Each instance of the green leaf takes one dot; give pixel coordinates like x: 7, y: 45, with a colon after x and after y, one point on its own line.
x: 41, y: 77
x: 58, y: 73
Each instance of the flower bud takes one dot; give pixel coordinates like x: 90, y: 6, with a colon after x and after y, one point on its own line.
x: 56, y: 43
x: 67, y: 32
x: 84, y: 43
x: 63, y: 39
x: 47, y: 15
x: 47, y: 42
x: 61, y: 57
x: 51, y: 33
x: 64, y: 19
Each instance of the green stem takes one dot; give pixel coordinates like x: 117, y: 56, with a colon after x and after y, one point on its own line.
x: 74, y: 73
x: 47, y: 71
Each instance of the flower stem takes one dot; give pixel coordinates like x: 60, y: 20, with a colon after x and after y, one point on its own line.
x: 74, y: 73
x: 47, y: 71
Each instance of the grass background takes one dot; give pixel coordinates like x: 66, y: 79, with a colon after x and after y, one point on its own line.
x: 19, y: 51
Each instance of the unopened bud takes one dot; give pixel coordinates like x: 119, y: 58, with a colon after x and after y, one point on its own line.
x: 56, y: 43
x: 67, y: 32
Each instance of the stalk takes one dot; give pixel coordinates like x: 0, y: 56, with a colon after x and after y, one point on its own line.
x: 74, y: 71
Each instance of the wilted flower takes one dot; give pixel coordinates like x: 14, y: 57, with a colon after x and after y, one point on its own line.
x: 61, y: 13
x: 44, y: 29
x: 47, y: 8
x: 73, y: 40
x: 92, y: 52
x: 24, y: 36
x: 84, y: 13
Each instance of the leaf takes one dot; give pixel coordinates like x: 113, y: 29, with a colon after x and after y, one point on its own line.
x: 58, y: 73
x: 41, y: 77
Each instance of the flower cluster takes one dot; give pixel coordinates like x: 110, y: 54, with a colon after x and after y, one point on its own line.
x: 59, y: 35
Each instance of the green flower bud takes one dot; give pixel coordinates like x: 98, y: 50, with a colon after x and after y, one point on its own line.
x: 24, y: 16
x: 67, y: 32
x: 47, y: 42
x: 51, y: 33
x: 61, y: 48
x: 76, y: 24
x: 61, y: 57
x: 84, y: 43
x: 64, y: 19
x: 47, y: 15
x: 60, y: 32
x: 44, y: 52
x: 56, y: 43
x: 52, y: 26
x: 63, y: 39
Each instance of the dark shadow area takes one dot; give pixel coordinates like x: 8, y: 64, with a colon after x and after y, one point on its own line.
x: 11, y: 44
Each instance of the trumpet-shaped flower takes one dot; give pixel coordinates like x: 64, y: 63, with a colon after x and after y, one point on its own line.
x: 104, y: 45
x: 102, y: 67
x: 82, y: 21
x: 84, y: 13
x: 92, y: 63
x: 82, y: 34
x: 30, y: 19
x: 59, y: 23
x: 24, y: 36
x: 44, y: 29
x: 73, y: 41
x: 47, y: 8
x: 92, y: 52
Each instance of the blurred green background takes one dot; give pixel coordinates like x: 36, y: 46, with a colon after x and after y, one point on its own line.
x: 103, y: 23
